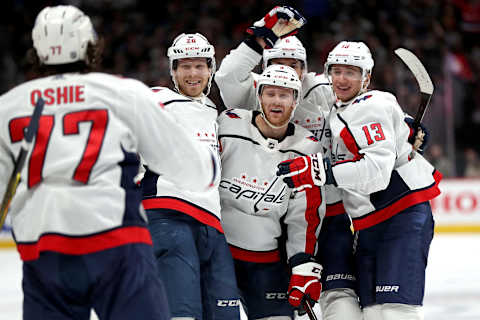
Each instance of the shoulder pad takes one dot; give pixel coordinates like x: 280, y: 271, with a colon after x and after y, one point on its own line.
x: 157, y: 89
x: 231, y: 114
x: 376, y: 96
x: 234, y: 114
x: 362, y: 98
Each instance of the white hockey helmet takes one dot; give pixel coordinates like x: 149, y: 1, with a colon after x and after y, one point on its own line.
x: 288, y: 47
x: 192, y: 46
x: 61, y: 35
x: 280, y: 76
x: 353, y: 54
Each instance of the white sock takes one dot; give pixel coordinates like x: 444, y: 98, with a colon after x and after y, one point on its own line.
x: 398, y: 311
x: 393, y: 311
x: 373, y: 312
x: 340, y: 304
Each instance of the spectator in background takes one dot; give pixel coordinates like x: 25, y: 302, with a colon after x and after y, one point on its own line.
x: 437, y: 158
x: 472, y: 163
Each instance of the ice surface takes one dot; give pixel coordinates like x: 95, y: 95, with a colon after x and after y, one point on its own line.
x: 452, y: 289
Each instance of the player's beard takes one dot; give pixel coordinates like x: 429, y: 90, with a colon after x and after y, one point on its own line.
x: 278, y: 119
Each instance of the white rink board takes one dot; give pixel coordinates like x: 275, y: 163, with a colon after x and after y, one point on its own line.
x: 458, y: 204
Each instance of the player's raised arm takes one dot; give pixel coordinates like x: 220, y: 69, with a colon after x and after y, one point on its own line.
x: 234, y: 77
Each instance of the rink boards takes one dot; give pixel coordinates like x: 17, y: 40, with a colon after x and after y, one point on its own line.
x: 457, y: 209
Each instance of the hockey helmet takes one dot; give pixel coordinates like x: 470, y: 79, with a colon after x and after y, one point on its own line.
x: 288, y: 47
x: 61, y: 35
x: 353, y: 54
x: 192, y: 46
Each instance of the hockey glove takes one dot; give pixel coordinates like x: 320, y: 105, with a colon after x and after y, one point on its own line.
x: 418, y: 137
x: 305, y: 284
x: 279, y: 22
x: 303, y: 172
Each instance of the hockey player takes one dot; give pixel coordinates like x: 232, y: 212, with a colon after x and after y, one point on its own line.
x: 77, y: 219
x: 385, y: 189
x: 192, y: 254
x: 237, y: 84
x: 257, y: 207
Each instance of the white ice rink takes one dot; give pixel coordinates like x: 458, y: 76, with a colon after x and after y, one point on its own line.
x: 452, y: 289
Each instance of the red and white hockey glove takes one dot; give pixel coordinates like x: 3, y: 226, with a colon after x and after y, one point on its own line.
x: 280, y: 22
x: 303, y: 172
x: 305, y: 284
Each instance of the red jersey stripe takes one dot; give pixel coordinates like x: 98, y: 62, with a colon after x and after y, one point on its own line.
x: 84, y: 245
x: 334, y: 209
x: 255, y: 256
x: 185, y: 207
x: 403, y: 203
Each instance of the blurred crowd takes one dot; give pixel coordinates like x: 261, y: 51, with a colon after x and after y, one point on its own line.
x: 443, y: 33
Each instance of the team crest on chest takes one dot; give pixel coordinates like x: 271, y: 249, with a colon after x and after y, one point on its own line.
x: 262, y: 194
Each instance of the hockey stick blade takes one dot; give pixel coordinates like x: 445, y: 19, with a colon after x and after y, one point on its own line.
x: 417, y: 68
x: 423, y: 80
x: 30, y: 133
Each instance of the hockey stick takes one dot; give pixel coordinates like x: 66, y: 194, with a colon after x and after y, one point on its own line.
x: 255, y: 208
x: 308, y: 308
x: 30, y: 133
x: 424, y: 82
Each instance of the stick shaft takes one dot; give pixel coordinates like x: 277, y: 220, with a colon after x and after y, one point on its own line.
x: 20, y: 160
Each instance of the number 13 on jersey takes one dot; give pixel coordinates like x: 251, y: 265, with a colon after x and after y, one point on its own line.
x: 373, y: 132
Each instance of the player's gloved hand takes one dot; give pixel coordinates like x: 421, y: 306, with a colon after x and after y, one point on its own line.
x: 306, y: 172
x: 305, y: 284
x: 280, y: 22
x: 418, y: 137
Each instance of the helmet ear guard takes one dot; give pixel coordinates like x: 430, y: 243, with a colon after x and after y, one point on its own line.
x: 191, y: 46
x: 61, y: 35
x: 280, y: 76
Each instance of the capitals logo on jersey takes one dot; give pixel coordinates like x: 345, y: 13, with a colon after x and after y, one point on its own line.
x: 260, y: 193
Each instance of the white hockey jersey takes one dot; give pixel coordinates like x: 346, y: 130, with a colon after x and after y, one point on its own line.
x: 199, y: 120
x: 372, y: 163
x: 237, y: 84
x: 77, y: 194
x: 255, y: 202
